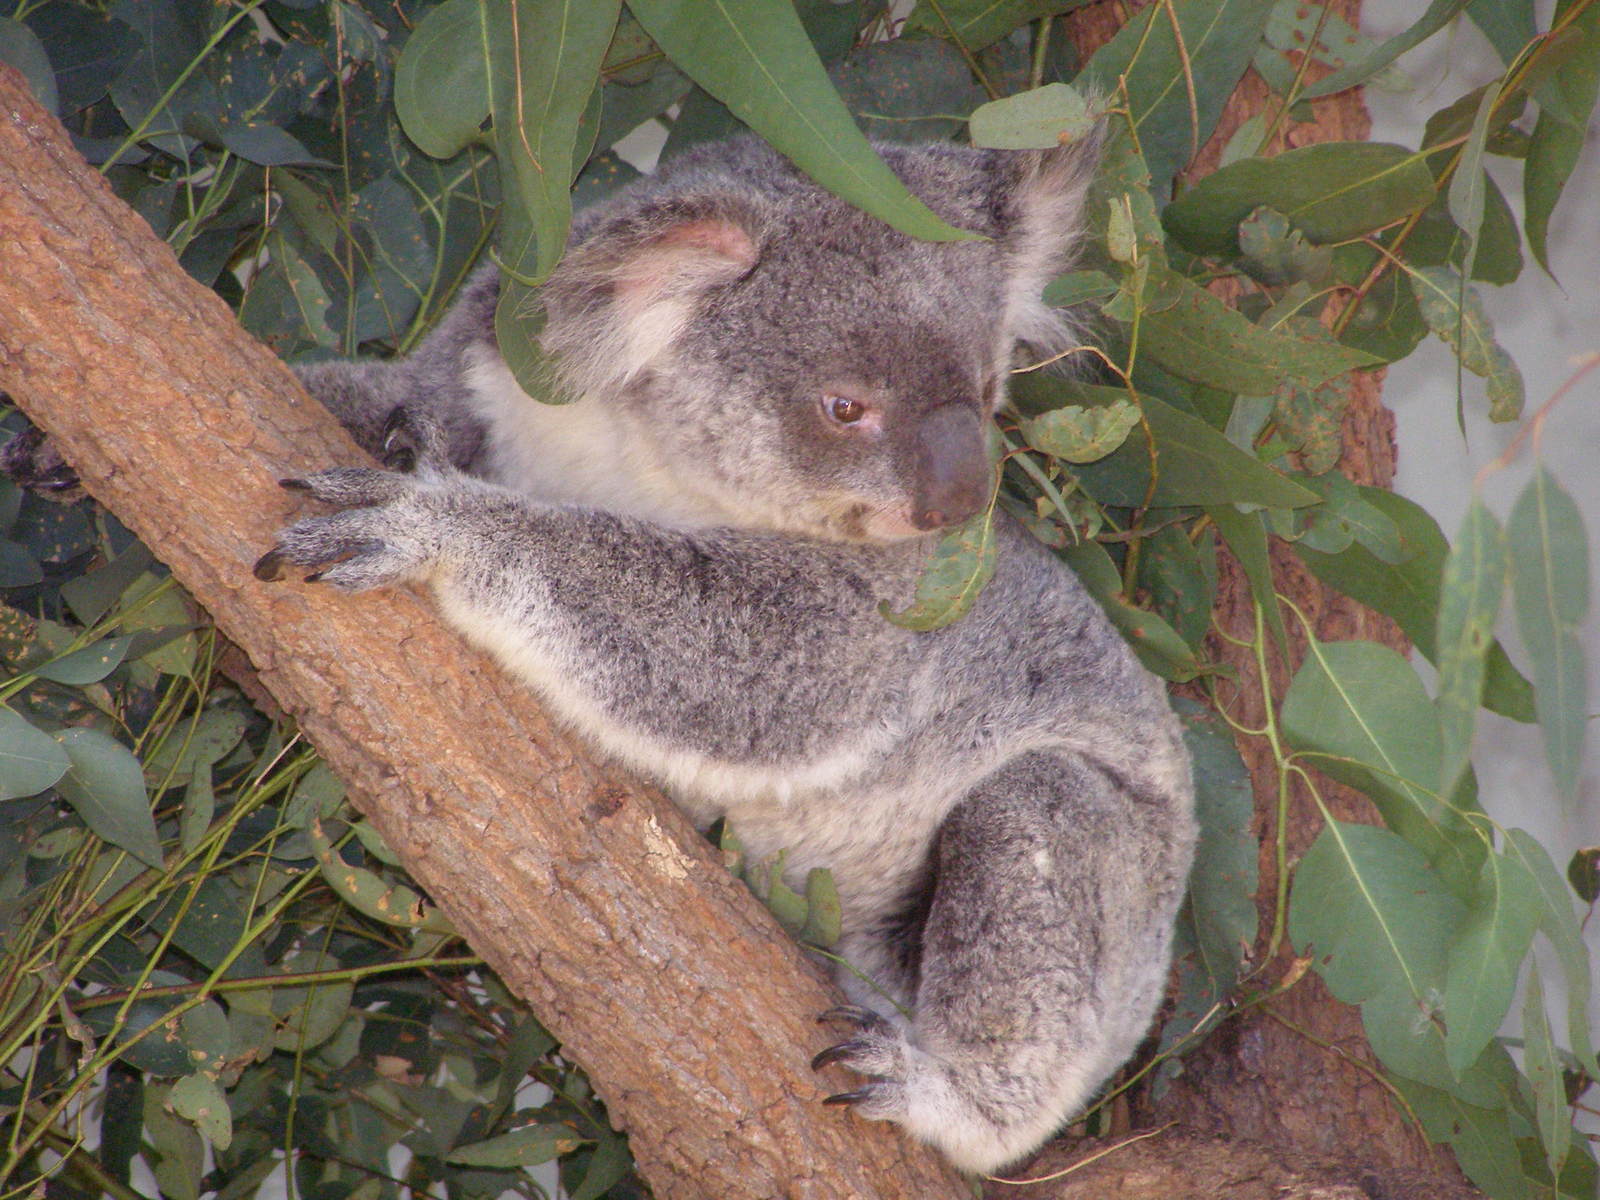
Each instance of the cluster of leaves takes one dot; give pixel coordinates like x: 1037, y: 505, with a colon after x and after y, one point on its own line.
x: 207, y: 963
x: 259, y: 140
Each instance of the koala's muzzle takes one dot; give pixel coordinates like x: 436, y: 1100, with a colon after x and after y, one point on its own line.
x: 952, y: 475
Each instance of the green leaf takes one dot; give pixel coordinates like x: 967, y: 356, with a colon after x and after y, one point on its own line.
x: 369, y: 893
x: 1454, y: 311
x: 755, y: 57
x: 1408, y: 591
x: 823, y: 913
x: 1470, y: 589
x: 1156, y: 643
x: 1374, y: 915
x: 1078, y: 287
x: 1194, y: 463
x: 1218, y: 39
x: 1034, y: 120
x: 610, y: 1164
x: 958, y: 569
x: 197, y: 1098
x: 1202, y: 339
x: 105, y: 786
x: 1221, y: 904
x: 979, y: 23
x: 1543, y: 1066
x: 908, y: 89
x: 1558, y: 140
x: 441, y: 83
x: 1561, y: 927
x: 525, y: 1147
x: 1345, y: 517
x: 1438, y: 14
x: 88, y: 665
x: 30, y: 759
x: 21, y: 48
x: 1508, y: 24
x: 1486, y: 957
x: 1550, y: 593
x: 1081, y: 435
x: 1276, y: 253
x: 1329, y: 192
x: 1181, y: 577
x: 1465, y: 196
x: 1246, y: 536
x: 1480, y: 1137
x: 1359, y: 709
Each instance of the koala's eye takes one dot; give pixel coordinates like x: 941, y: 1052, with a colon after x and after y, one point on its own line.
x: 846, y: 410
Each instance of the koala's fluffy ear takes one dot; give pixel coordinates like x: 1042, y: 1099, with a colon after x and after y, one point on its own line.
x: 1049, y: 192
x: 623, y: 294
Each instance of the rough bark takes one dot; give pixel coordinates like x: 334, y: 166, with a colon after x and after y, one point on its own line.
x: 594, y: 899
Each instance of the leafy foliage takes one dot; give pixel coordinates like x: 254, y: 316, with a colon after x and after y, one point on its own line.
x: 195, y: 927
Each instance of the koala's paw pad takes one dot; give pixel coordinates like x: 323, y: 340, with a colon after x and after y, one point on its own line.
x: 876, y: 1050
x: 380, y: 539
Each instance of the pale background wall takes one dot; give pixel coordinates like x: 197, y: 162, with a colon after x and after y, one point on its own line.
x: 1543, y: 325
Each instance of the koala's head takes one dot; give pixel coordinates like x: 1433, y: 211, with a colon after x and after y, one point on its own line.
x: 798, y: 365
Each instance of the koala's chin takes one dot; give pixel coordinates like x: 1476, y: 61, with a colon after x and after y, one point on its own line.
x: 1005, y: 804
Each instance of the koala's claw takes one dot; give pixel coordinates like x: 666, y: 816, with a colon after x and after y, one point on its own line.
x: 381, y: 537
x: 411, y: 440
x: 854, y: 1014
x: 855, y: 1097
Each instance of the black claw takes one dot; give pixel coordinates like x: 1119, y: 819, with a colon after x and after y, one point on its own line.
x: 314, y: 577
x: 852, y: 1014
x: 834, y: 1054
x: 855, y: 1097
x: 269, y: 567
x: 294, y: 485
x: 401, y: 458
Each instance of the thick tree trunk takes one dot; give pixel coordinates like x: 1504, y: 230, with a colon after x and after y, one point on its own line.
x: 594, y: 900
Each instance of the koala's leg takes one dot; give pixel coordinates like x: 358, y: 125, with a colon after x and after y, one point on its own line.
x: 1044, y: 956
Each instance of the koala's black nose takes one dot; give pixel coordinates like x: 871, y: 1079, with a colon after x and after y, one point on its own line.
x: 952, y: 473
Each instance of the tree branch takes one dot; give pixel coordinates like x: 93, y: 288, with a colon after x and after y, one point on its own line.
x: 594, y: 900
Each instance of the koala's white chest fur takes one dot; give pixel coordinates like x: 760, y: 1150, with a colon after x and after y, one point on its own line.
x: 586, y: 452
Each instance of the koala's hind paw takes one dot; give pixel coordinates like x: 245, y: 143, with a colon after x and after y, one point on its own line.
x: 412, y: 440
x: 30, y: 460
x: 381, y: 539
x: 877, y: 1051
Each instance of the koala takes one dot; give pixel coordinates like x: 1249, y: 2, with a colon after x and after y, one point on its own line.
x: 777, y: 403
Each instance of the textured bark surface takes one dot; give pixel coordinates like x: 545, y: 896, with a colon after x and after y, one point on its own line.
x: 593, y: 899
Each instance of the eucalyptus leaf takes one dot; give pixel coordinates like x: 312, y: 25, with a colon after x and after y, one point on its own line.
x: 21, y: 48
x: 525, y: 1147
x: 1373, y: 914
x: 1561, y: 928
x: 1040, y: 119
x: 961, y: 564
x: 1550, y: 593
x: 1329, y: 192
x: 441, y: 83
x: 1358, y: 710
x: 975, y: 24
x: 30, y: 759
x: 1486, y: 956
x: 1470, y: 591
x: 197, y: 1098
x: 1409, y: 592
x: 1176, y: 88
x: 105, y: 786
x: 1202, y: 339
x: 1543, y: 1066
x: 1454, y: 311
x: 1558, y: 140
x: 1081, y: 435
x: 755, y: 57
x: 1437, y: 15
x: 1156, y: 643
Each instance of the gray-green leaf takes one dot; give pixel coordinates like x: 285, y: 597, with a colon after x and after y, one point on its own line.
x: 105, y: 786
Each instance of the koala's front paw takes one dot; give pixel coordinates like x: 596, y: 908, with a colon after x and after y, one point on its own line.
x: 383, y: 538
x: 876, y: 1050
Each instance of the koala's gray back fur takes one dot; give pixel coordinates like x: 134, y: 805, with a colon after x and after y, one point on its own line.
x: 689, y: 561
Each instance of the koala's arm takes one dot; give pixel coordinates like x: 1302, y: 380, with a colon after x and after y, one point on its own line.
x: 664, y: 646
